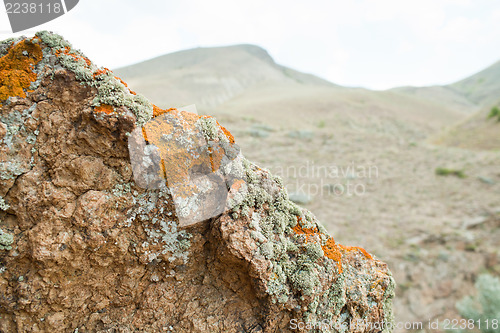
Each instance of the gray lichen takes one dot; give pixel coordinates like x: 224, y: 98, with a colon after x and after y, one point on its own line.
x: 314, y: 251
x: 3, y: 204
x: 53, y: 40
x: 6, y: 44
x: 77, y: 66
x: 274, y: 224
x: 296, y: 265
x: 210, y: 129
x: 6, y: 240
x: 11, y: 169
x: 16, y: 132
x: 15, y: 123
x: 297, y: 262
x: 160, y: 228
x: 122, y: 189
x: 174, y: 242
x: 110, y: 90
x: 389, y: 296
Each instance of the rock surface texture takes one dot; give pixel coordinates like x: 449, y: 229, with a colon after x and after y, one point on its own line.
x: 83, y: 248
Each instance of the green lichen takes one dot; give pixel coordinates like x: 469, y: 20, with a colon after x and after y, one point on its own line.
x: 266, y: 249
x: 31, y: 139
x: 291, y: 247
x: 209, y: 128
x: 16, y: 131
x: 6, y: 240
x: 46, y: 61
x: 174, y: 242
x: 15, y: 121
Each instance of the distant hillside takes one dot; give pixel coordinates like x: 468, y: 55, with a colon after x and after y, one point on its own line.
x: 208, y: 77
x: 443, y: 95
x: 476, y: 132
x: 243, y: 81
x: 468, y: 95
x: 342, y: 110
x: 482, y: 88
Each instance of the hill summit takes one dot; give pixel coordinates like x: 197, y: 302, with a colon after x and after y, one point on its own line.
x: 210, y: 76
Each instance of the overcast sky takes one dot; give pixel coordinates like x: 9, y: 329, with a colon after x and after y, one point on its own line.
x: 376, y: 44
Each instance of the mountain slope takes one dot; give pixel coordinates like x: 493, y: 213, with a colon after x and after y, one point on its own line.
x: 208, y: 77
x: 244, y: 81
x: 478, y: 132
x: 443, y: 95
x: 482, y: 88
x: 475, y: 95
x: 468, y: 95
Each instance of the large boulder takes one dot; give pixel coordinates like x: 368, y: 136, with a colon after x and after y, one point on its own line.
x: 88, y: 244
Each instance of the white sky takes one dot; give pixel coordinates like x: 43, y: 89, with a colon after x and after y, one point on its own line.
x: 376, y: 44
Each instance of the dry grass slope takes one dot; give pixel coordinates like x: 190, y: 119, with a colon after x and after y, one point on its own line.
x: 478, y: 132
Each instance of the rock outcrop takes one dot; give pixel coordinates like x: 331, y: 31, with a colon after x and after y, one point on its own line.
x: 85, y: 247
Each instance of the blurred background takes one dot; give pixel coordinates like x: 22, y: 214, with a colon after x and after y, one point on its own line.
x: 382, y: 117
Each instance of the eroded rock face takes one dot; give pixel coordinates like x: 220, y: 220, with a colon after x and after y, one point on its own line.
x: 82, y: 246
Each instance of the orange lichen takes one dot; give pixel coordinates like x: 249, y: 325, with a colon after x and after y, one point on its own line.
x: 308, y: 232
x: 377, y: 282
x: 181, y: 162
x: 108, y: 109
x: 67, y: 51
x: 157, y: 111
x: 237, y: 185
x: 356, y: 248
x: 331, y: 249
x: 126, y: 85
x: 177, y: 170
x: 59, y: 52
x: 101, y: 71
x: 227, y: 133
x: 145, y: 135
x: 16, y: 68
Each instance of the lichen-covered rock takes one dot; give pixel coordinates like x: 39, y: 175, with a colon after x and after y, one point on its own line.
x: 84, y: 248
